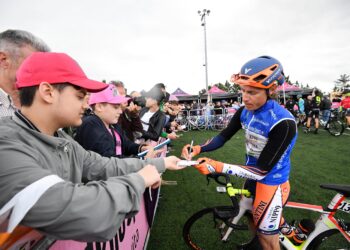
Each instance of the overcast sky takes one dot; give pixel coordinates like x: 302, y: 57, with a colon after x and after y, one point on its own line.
x: 144, y: 42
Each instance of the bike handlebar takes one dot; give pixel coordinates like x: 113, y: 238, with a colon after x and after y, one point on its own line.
x: 232, y: 192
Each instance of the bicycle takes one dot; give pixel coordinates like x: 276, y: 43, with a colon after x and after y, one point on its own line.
x: 196, y: 122
x: 181, y: 119
x: 230, y: 223
x: 335, y: 125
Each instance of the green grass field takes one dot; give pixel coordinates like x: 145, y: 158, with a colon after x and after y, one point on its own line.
x: 316, y: 159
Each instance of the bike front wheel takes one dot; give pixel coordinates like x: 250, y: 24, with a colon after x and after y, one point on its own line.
x: 204, y: 230
x: 331, y: 239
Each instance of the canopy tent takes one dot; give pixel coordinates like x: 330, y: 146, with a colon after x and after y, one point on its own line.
x: 288, y: 87
x: 216, y: 90
x: 180, y: 92
x: 173, y: 98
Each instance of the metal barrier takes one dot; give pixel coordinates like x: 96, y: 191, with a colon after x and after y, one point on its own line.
x: 201, y: 119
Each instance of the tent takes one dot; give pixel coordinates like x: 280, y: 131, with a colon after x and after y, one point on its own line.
x: 216, y: 90
x: 180, y: 92
x: 288, y: 87
x: 173, y: 98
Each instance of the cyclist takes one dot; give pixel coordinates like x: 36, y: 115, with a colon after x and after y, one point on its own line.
x: 325, y: 108
x: 301, y: 109
x: 345, y: 104
x: 270, y: 134
x: 314, y: 111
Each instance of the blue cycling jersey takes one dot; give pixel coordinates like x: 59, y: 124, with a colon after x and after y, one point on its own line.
x: 257, y: 125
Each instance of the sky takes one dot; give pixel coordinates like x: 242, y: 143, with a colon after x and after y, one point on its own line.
x: 144, y: 42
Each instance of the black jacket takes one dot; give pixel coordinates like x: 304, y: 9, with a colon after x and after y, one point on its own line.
x: 326, y: 104
x: 93, y: 135
x: 156, y: 125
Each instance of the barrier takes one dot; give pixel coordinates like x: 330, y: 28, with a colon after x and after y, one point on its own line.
x: 132, y: 234
x: 199, y: 119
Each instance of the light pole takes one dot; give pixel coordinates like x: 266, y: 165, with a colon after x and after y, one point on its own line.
x: 204, y: 13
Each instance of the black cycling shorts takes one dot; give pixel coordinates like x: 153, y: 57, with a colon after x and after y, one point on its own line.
x: 313, y: 113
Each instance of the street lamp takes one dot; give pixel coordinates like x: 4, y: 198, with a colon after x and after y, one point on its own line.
x: 204, y: 13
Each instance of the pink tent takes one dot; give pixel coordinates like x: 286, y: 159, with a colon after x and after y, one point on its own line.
x: 216, y: 90
x: 288, y: 87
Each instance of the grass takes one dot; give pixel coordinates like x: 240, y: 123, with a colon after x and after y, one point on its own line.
x: 315, y: 159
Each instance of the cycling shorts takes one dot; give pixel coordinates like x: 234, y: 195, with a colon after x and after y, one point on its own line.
x: 313, y: 112
x: 268, y: 205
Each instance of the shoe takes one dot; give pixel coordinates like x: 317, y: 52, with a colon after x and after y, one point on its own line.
x: 316, y: 131
x: 306, y: 131
x: 348, y: 128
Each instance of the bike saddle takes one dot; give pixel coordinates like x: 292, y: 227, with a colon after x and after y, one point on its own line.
x: 343, y: 189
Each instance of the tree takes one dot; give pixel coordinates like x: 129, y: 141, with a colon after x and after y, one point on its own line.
x: 342, y: 82
x: 202, y: 92
x: 287, y: 79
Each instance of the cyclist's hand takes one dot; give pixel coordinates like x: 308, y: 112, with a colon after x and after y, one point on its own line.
x: 186, y: 151
x: 208, y: 166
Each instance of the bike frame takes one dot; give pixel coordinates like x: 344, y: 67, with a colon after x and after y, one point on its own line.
x: 324, y: 223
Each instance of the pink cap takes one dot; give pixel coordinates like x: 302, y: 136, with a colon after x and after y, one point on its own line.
x: 54, y: 68
x: 108, y: 95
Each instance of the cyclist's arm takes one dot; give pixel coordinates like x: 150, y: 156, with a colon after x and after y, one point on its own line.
x: 280, y: 138
x: 225, y: 135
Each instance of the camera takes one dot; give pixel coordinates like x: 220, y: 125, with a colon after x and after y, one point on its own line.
x: 139, y: 101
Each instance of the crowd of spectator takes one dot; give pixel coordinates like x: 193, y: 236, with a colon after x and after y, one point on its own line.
x: 42, y: 92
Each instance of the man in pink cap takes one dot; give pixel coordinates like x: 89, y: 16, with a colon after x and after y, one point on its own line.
x: 42, y: 168
x: 100, y: 132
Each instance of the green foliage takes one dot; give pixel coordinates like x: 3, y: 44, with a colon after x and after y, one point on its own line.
x: 203, y: 92
x: 342, y: 83
x: 315, y: 159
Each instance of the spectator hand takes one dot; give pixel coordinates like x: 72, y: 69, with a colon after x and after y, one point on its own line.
x: 208, y: 166
x: 153, y: 153
x: 186, y: 151
x: 171, y: 163
x: 150, y: 175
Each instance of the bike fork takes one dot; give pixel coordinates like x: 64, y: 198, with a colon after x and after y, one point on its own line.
x: 245, y: 204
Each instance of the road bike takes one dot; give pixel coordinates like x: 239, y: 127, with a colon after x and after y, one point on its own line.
x: 226, y: 227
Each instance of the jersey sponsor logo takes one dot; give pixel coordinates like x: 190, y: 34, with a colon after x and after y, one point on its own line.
x: 274, y: 116
x: 275, y: 214
x: 261, y: 122
x: 259, y: 210
x: 255, y: 143
x: 276, y: 176
x: 211, y: 168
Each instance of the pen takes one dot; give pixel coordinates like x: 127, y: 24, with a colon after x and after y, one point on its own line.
x: 191, y: 150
